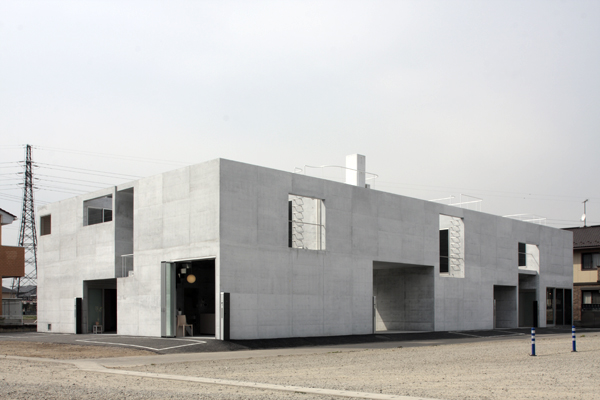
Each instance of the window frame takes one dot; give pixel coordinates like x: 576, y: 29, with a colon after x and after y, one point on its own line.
x: 591, y: 267
x: 319, y: 224
x: 594, y: 298
x: 46, y: 222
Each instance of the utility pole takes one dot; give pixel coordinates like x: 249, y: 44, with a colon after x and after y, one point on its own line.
x: 27, y: 234
x: 584, y: 216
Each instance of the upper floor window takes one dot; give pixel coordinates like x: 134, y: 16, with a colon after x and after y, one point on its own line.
x: 528, y: 256
x: 306, y: 223
x: 522, y: 254
x: 45, y: 225
x: 452, y: 246
x: 590, y: 260
x: 97, y: 211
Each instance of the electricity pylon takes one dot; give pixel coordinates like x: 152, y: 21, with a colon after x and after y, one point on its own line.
x: 27, y: 234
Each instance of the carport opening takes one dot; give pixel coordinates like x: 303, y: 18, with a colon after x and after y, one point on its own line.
x: 100, y: 299
x: 195, y: 286
x: 528, y: 305
x: 403, y: 297
x: 505, y: 307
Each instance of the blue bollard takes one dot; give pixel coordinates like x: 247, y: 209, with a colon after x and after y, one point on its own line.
x: 573, y: 336
x: 533, y: 341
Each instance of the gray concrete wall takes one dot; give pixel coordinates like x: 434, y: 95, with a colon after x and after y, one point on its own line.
x: 176, y: 217
x: 71, y: 254
x: 238, y: 214
x: 278, y: 291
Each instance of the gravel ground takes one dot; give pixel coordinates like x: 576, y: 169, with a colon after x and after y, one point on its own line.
x: 66, y: 351
x: 48, y: 381
x: 486, y: 370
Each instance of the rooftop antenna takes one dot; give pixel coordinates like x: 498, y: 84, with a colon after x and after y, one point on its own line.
x: 583, y: 217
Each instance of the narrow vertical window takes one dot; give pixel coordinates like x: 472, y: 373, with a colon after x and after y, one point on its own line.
x: 452, y: 246
x: 45, y: 225
x: 444, y: 251
x: 290, y: 223
x: 522, y: 254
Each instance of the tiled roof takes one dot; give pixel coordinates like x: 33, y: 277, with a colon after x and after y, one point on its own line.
x: 583, y: 237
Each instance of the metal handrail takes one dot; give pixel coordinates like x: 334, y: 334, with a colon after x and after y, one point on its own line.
x: 303, y: 170
x: 536, y: 219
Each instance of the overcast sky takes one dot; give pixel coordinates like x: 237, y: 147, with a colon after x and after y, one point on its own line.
x: 495, y: 99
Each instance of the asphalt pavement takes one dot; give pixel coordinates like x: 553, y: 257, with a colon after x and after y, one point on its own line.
x: 201, y: 344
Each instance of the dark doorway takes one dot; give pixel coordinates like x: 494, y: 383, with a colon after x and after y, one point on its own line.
x: 568, y: 307
x: 110, y: 305
x: 505, y: 303
x: 195, y: 286
x: 559, y: 307
x: 528, y: 312
x: 100, y: 301
x: 78, y: 315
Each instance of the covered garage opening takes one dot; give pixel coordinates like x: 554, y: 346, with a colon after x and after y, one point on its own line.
x: 528, y: 305
x: 403, y: 297
x: 505, y: 306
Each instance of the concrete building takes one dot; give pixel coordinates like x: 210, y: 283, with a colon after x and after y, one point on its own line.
x: 586, y: 276
x: 12, y: 259
x: 245, y: 252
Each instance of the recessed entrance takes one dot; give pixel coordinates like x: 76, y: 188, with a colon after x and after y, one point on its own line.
x: 100, y: 302
x: 404, y: 298
x: 528, y: 305
x: 188, y: 303
x: 505, y: 306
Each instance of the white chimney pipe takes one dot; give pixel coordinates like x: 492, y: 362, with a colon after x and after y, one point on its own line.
x: 355, y: 174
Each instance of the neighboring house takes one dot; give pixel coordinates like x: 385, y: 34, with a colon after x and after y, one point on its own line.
x: 8, y: 293
x: 247, y: 252
x: 12, y: 259
x: 586, y: 276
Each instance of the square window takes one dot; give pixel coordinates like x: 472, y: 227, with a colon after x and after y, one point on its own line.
x: 590, y: 261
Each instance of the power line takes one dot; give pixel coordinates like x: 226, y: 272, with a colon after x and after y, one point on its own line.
x: 88, y: 171
x: 62, y: 191
x: 77, y: 184
x: 114, y: 156
x: 73, y: 179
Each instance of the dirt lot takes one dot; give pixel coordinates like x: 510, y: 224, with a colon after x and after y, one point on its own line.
x: 485, y: 370
x: 65, y: 351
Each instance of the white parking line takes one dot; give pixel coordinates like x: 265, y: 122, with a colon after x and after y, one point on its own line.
x: 196, y: 342
x: 464, y: 334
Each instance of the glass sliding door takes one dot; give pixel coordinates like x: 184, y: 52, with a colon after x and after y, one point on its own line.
x: 559, y: 310
x: 167, y: 300
x: 549, y: 306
